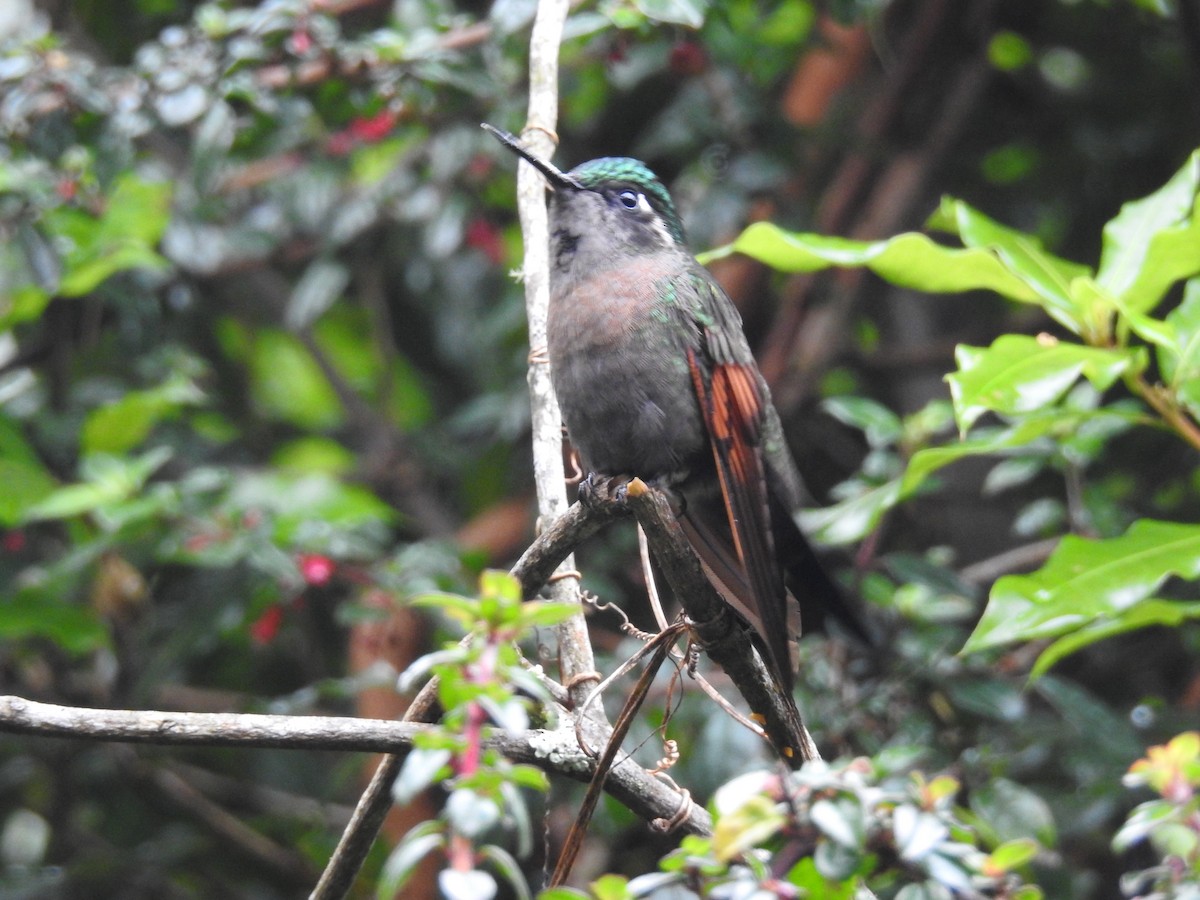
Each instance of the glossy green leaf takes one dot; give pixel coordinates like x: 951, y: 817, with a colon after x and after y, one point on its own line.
x: 1154, y: 242
x: 1179, y: 363
x: 500, y: 584
x: 312, y: 497
x: 909, y: 260
x: 539, y: 613
x: 841, y: 820
x: 1087, y: 582
x: 1169, y: 613
x: 852, y: 519
x: 1019, y: 374
x: 1021, y: 255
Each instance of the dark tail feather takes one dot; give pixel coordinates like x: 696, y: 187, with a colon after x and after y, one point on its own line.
x: 724, y: 571
x: 820, y: 599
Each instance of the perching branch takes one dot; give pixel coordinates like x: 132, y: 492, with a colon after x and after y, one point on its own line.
x: 718, y: 629
x: 556, y: 751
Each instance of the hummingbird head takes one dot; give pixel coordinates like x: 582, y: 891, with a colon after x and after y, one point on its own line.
x: 604, y: 210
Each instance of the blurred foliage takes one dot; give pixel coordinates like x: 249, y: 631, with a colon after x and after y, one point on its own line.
x: 262, y: 380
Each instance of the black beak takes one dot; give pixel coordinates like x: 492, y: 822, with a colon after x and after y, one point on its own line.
x: 553, y: 175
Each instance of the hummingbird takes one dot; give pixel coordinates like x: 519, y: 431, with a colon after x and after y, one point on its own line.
x: 656, y: 379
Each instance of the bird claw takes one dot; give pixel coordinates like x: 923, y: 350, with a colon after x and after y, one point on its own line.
x: 596, y: 490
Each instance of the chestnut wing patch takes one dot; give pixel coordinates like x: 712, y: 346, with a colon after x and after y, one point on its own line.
x: 731, y: 402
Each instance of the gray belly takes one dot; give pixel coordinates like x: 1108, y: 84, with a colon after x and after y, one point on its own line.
x: 627, y: 397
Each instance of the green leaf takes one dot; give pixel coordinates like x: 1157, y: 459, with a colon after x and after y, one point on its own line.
x: 1179, y: 363
x: 501, y: 585
x: 841, y: 820
x: 314, y: 454
x: 317, y: 290
x: 22, y: 304
x: 1154, y: 242
x: 75, y: 629
x: 879, y: 425
x: 420, y: 769
x: 122, y: 237
x: 908, y: 260
x: 1046, y: 276
x: 25, y: 486
x: 1013, y: 812
x: 1019, y: 374
x: 124, y: 424
x: 753, y: 823
x: 853, y: 519
x: 689, y: 13
x: 606, y: 887
x: 107, y: 480
x: 26, y: 481
x: 1087, y: 582
x: 1013, y: 854
x: 508, y: 868
x: 287, y: 383
x: 414, y: 847
x: 1169, y: 613
x: 917, y: 833
x: 1142, y: 822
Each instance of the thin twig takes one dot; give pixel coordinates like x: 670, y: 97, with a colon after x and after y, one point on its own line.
x: 648, y: 576
x: 574, y: 839
x: 1162, y: 402
x: 1025, y: 557
x: 372, y: 808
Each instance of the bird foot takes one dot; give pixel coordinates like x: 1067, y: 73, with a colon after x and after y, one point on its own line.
x: 596, y: 490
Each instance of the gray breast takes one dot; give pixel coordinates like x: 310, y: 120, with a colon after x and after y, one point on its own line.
x: 619, y: 367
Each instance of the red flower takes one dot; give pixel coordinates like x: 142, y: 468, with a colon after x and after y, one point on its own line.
x: 373, y: 128
x: 483, y: 235
x: 361, y: 130
x: 13, y: 541
x: 300, y: 42
x: 266, y: 626
x: 315, y: 568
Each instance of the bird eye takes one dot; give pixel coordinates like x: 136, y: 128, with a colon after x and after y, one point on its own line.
x: 629, y: 199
